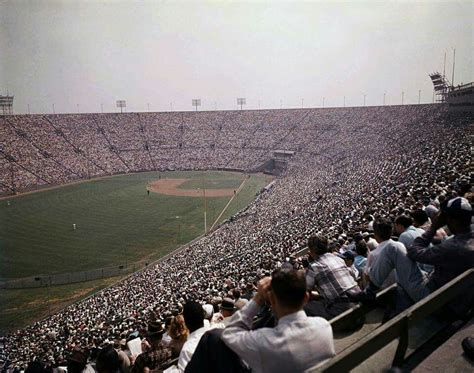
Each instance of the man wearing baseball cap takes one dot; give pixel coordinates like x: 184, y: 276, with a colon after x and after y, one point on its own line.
x: 452, y: 256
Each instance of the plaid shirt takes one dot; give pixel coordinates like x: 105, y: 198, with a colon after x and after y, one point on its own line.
x: 331, y: 277
x: 152, y: 359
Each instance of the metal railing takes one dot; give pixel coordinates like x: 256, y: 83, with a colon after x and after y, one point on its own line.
x: 397, y: 328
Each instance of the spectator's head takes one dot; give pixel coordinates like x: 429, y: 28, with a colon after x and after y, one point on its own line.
x: 107, y: 360
x: 37, y: 367
x: 227, y: 307
x: 361, y: 248
x: 288, y: 291
x: 208, y: 311
x: 317, y: 245
x: 236, y: 294
x: 154, y: 332
x: 77, y: 360
x: 402, y: 222
x: 458, y: 215
x: 178, y: 329
x: 193, y: 316
x: 382, y: 229
x: 348, y: 257
x: 419, y: 217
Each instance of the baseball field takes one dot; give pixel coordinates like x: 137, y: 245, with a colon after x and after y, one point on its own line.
x: 134, y: 218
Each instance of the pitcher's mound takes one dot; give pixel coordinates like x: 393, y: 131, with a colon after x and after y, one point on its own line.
x: 170, y: 187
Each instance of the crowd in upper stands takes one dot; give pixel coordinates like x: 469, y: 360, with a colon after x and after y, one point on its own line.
x: 378, y: 195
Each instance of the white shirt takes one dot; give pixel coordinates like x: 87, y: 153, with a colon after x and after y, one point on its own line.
x: 189, y: 347
x: 372, y: 257
x: 297, y: 343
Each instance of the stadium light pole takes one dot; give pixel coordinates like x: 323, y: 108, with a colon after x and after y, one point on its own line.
x: 384, y: 99
x: 454, y: 64
x: 241, y: 101
x: 77, y: 108
x: 102, y: 108
x: 258, y: 104
x: 302, y: 103
x: 444, y: 66
x: 403, y: 96
x: 148, y: 104
x: 280, y: 104
x: 419, y: 96
x: 29, y: 109
x: 364, y: 99
x: 196, y: 102
x: 53, y: 110
x: 344, y: 104
x: 324, y: 100
x: 171, y: 106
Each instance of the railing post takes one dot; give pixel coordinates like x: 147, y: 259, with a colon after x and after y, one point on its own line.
x: 402, y: 343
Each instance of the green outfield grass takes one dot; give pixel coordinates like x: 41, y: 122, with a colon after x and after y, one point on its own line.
x: 117, y: 223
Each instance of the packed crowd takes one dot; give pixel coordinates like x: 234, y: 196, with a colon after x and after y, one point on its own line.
x: 352, y: 168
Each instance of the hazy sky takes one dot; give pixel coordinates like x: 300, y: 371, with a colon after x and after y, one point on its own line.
x: 158, y: 52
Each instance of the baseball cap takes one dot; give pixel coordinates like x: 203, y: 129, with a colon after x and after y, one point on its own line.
x: 458, y: 205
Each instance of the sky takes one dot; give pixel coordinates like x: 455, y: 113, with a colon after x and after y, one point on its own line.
x: 84, y: 55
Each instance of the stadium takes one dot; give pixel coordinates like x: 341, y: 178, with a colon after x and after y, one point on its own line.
x: 116, y: 225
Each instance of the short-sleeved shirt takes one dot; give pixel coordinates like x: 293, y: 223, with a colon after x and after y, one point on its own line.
x: 331, y: 276
x: 152, y: 359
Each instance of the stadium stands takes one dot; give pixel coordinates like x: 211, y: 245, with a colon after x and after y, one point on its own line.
x: 349, y: 163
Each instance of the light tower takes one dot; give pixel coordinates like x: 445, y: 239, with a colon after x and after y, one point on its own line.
x: 196, y: 102
x: 121, y: 104
x: 241, y: 101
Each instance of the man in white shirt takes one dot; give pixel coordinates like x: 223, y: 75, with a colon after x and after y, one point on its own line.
x: 297, y: 343
x: 193, y: 314
x: 407, y: 232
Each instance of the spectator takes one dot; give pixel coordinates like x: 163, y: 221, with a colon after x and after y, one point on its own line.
x: 453, y: 256
x: 227, y: 309
x: 333, y: 280
x: 77, y: 361
x: 179, y: 335
x: 393, y: 255
x: 107, y: 360
x: 360, y: 259
x: 157, y: 354
x: 404, y: 227
x: 194, y: 319
x: 289, y: 347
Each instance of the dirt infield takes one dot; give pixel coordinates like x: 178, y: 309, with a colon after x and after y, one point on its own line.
x: 169, y: 187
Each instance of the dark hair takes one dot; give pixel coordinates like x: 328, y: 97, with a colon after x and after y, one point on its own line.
x: 193, y: 314
x: 318, y: 244
x: 404, y: 221
x: 107, y: 360
x: 37, y: 367
x: 236, y: 294
x: 289, y: 287
x: 419, y: 216
x: 383, y: 228
x: 361, y: 248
